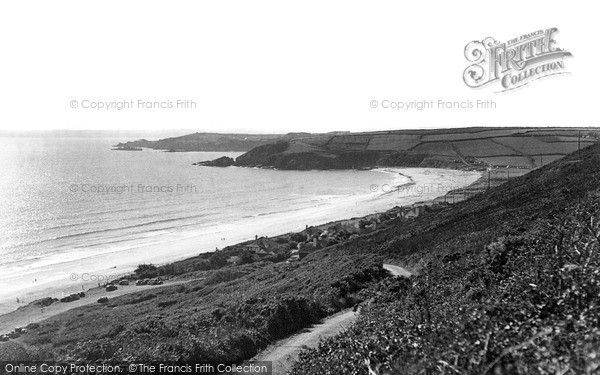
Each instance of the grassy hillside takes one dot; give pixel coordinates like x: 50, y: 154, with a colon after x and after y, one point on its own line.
x: 509, y: 283
x: 456, y: 148
x: 219, y: 316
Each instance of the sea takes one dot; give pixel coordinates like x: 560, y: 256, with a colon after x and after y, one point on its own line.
x: 74, y: 212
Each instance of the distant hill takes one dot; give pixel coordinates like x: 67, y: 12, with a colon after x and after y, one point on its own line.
x: 210, y: 142
x: 454, y: 148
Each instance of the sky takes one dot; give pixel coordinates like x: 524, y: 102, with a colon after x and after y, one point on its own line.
x: 280, y: 66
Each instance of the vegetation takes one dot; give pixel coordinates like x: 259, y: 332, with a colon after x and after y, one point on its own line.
x: 224, y: 315
x: 528, y: 303
x: 508, y: 283
x: 146, y: 271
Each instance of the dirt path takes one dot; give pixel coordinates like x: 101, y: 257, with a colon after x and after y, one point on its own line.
x: 33, y: 314
x: 284, y: 353
x: 397, y: 270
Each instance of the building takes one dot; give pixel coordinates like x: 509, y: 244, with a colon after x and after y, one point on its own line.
x: 252, y: 248
x: 411, y: 212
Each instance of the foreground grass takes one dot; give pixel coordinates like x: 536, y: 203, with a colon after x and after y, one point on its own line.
x: 526, y: 303
x: 227, y: 317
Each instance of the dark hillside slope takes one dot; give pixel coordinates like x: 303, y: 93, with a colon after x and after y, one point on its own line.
x: 509, y: 283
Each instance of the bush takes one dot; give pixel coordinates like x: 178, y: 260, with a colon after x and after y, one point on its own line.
x: 218, y: 260
x: 363, y: 223
x: 298, y: 237
x: 246, y: 257
x: 146, y: 271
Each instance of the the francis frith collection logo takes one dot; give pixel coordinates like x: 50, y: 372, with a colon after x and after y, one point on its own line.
x: 514, y: 63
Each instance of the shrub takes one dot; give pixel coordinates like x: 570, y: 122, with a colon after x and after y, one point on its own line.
x: 298, y: 237
x: 246, y: 257
x: 146, y: 271
x: 363, y: 223
x: 218, y: 260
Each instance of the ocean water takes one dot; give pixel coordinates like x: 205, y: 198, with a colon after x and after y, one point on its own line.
x: 72, y: 206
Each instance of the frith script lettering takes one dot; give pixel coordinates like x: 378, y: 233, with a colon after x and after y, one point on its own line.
x: 515, y: 63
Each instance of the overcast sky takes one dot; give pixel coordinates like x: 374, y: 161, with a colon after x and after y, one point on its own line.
x: 280, y: 66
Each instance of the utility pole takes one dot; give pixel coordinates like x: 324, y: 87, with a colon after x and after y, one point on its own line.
x: 489, y: 177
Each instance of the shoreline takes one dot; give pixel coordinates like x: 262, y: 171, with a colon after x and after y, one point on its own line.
x: 324, y: 222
